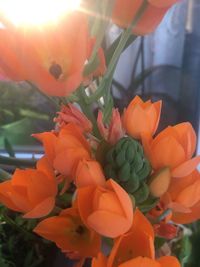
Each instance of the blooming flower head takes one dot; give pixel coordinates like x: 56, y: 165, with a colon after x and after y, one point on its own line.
x: 173, y: 148
x: 135, y: 248
x: 65, y: 149
x: 126, y: 10
x: 52, y: 57
x: 111, y: 219
x: 30, y: 191
x: 183, y: 198
x: 70, y: 234
x: 141, y: 117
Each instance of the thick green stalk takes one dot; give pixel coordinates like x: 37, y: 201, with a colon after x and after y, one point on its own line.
x: 109, y: 53
x: 98, y: 32
x: 87, y: 109
x: 107, y: 80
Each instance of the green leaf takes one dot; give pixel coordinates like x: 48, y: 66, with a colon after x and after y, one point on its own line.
x: 6, y: 116
x: 32, y: 114
x: 112, y: 48
x: 185, y: 251
x: 19, y: 132
x: 8, y: 147
x: 159, y: 242
x: 91, y: 66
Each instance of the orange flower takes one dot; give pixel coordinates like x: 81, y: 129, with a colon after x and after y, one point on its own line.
x: 138, y: 241
x: 183, y: 197
x: 111, y: 219
x: 141, y: 117
x: 52, y: 56
x: 31, y: 191
x: 70, y: 113
x: 10, y: 63
x: 135, y: 248
x: 115, y: 131
x: 65, y: 149
x: 126, y: 10
x: 70, y: 234
x: 173, y: 148
x: 89, y: 172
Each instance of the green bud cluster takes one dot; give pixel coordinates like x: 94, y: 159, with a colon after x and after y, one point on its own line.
x: 126, y: 163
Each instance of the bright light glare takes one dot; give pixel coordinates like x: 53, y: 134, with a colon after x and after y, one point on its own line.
x: 36, y: 12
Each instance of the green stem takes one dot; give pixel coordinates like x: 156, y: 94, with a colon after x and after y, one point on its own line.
x: 107, y: 80
x: 17, y: 162
x: 99, y: 27
x: 124, y: 38
x: 87, y: 109
x: 111, y: 49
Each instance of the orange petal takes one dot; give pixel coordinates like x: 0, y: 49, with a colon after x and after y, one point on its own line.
x: 137, y: 122
x: 108, y: 224
x: 179, y: 184
x: 89, y: 172
x: 173, y: 153
x: 123, y: 197
x: 84, y: 199
x: 146, y: 24
x: 74, y: 131
x: 142, y: 223
x: 42, y: 209
x: 100, y: 261
x: 185, y: 218
x: 131, y: 245
x: 64, y: 231
x: 139, y: 241
x: 140, y: 262
x: 49, y: 141
x: 20, y: 178
x: 161, y: 4
x: 169, y: 261
x: 190, y: 195
x: 178, y: 207
x: 44, y: 165
x: 52, y: 228
x: 186, y: 168
x: 187, y: 137
x: 6, y: 196
x: 71, y: 157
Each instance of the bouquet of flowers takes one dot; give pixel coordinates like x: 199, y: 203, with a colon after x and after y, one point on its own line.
x: 108, y: 185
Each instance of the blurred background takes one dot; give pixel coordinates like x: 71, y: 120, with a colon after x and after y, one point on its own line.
x: 163, y: 65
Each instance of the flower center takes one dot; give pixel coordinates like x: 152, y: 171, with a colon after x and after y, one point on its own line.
x: 55, y: 70
x: 80, y: 230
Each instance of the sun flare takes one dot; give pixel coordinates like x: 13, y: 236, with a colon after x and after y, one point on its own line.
x: 36, y: 12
